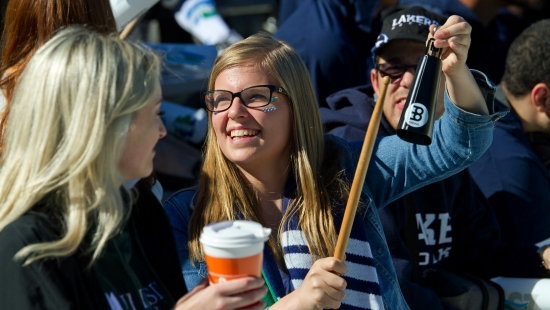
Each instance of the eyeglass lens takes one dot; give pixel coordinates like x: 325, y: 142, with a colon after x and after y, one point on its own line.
x: 253, y: 97
x: 394, y: 71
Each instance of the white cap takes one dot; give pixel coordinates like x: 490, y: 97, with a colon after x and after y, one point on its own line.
x: 234, y: 238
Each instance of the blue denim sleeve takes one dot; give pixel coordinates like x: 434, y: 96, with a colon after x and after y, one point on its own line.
x: 459, y: 138
x: 179, y: 208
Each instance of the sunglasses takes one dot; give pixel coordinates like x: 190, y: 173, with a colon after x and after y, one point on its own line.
x: 394, y: 71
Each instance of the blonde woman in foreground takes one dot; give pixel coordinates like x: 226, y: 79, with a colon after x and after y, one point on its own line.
x: 85, y: 118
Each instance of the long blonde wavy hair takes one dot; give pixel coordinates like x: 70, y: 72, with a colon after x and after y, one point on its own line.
x: 72, y: 109
x: 223, y: 191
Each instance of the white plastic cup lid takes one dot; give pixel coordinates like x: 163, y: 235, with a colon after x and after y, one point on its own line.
x: 233, y: 234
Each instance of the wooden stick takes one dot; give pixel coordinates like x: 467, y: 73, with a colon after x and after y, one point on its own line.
x: 130, y: 27
x: 360, y: 173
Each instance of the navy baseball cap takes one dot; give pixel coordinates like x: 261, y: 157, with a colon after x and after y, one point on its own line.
x: 411, y: 23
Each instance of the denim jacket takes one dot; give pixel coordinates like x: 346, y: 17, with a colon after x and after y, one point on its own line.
x: 396, y: 168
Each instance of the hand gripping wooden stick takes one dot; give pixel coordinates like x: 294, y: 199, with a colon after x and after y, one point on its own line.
x: 360, y: 173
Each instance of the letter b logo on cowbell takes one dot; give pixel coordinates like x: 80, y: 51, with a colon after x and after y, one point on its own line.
x: 416, y: 115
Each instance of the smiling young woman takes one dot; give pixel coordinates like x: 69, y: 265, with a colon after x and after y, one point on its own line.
x: 267, y: 160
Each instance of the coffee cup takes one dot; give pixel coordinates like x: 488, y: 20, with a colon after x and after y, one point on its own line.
x: 233, y: 249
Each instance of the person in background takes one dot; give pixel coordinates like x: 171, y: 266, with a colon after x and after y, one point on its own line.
x: 445, y: 225
x: 330, y: 38
x: 29, y: 24
x: 201, y: 19
x: 68, y: 236
x: 493, y: 28
x: 512, y: 174
x: 267, y: 160
x: 3, y: 5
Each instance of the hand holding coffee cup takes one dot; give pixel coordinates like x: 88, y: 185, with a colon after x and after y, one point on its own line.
x: 243, y: 293
x: 233, y: 249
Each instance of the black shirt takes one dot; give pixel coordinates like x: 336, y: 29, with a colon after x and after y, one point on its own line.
x: 56, y: 283
x: 144, y: 253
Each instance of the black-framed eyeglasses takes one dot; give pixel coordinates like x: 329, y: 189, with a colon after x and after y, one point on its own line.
x: 253, y: 97
x: 394, y: 71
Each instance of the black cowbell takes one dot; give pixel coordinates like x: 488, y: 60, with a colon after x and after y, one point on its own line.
x: 417, y: 120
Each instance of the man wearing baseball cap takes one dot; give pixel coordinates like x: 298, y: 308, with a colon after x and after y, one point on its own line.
x: 447, y: 225
x: 396, y: 53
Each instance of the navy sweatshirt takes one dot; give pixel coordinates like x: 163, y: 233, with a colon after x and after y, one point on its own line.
x: 515, y: 181
x: 333, y: 38
x: 457, y: 229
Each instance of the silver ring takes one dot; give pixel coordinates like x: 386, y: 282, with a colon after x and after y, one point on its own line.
x: 436, y: 27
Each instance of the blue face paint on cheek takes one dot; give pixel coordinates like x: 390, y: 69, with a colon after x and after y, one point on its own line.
x: 272, y: 108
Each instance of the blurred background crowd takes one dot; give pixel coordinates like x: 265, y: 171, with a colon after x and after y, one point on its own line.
x: 340, y: 41
x: 333, y: 37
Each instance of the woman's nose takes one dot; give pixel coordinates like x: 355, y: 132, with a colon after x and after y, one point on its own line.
x: 162, y: 130
x: 237, y: 109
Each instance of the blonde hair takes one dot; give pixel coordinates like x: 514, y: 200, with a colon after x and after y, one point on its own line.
x: 72, y: 109
x: 224, y: 193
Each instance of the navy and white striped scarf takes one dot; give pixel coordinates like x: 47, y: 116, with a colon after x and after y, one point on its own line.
x: 362, y: 291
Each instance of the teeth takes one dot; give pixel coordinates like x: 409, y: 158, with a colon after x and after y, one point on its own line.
x: 242, y: 133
